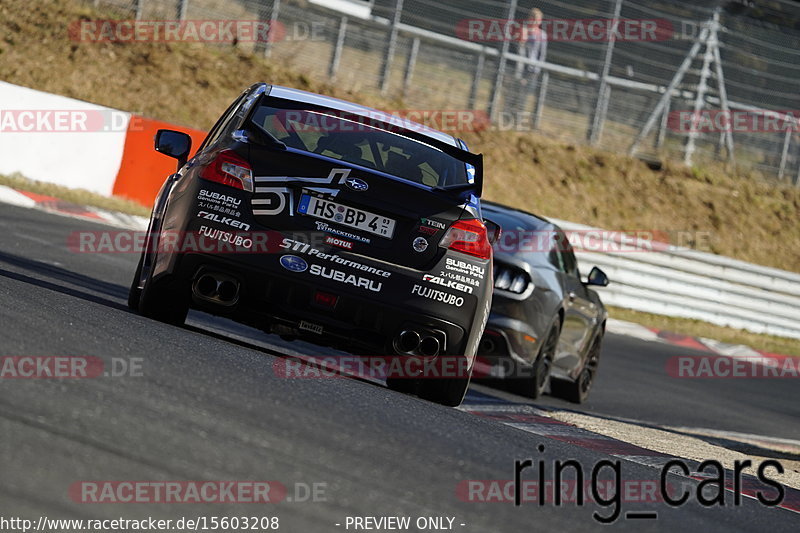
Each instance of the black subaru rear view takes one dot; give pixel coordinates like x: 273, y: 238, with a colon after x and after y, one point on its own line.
x: 319, y: 219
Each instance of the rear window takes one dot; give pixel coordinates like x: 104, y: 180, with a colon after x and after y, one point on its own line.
x: 322, y: 132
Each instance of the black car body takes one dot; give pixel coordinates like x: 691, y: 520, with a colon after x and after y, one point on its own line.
x: 350, y: 228
x: 546, y: 325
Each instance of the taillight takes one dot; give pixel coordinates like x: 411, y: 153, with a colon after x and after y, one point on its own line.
x: 229, y: 169
x: 510, y: 279
x: 470, y: 237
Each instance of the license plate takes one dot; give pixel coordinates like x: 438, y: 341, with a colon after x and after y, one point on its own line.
x: 351, y: 217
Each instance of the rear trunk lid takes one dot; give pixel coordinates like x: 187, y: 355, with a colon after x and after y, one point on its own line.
x: 360, y: 210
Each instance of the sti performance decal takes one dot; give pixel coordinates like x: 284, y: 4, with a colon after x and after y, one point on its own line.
x: 304, y: 248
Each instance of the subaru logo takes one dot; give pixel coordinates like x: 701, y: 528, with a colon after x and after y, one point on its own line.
x: 294, y: 263
x: 356, y: 184
x: 420, y: 244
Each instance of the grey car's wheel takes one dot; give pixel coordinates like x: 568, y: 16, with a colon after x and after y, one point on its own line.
x: 577, y: 391
x: 535, y: 385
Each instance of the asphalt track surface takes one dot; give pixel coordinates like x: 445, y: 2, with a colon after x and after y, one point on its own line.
x: 210, y: 407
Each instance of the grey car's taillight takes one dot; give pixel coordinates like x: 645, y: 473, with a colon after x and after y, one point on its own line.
x: 510, y: 279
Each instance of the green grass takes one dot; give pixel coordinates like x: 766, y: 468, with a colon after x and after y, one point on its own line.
x: 698, y: 328
x: 76, y: 196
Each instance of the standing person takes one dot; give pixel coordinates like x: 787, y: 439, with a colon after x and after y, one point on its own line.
x: 533, y: 45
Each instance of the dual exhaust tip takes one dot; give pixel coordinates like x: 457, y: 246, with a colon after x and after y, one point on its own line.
x: 217, y: 288
x: 411, y: 341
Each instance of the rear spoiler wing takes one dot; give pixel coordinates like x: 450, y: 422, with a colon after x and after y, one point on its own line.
x: 473, y: 161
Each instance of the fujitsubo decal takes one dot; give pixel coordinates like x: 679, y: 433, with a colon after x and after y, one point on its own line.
x: 462, y: 267
x: 225, y: 236
x: 437, y: 296
x: 347, y: 279
x: 293, y: 263
x: 449, y: 283
x: 273, y: 197
x: 324, y: 226
x: 215, y: 217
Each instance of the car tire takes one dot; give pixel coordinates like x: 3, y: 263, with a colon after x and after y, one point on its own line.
x: 135, y: 293
x: 168, y: 304
x: 402, y: 385
x: 163, y: 300
x: 449, y: 392
x: 577, y: 391
x: 534, y: 387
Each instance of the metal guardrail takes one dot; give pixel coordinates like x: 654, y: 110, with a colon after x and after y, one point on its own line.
x: 691, y: 284
x: 607, y: 94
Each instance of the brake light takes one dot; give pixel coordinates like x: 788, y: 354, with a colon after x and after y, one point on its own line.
x: 470, y: 237
x: 228, y: 168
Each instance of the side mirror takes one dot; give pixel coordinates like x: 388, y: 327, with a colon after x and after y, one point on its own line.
x: 174, y: 144
x: 597, y: 277
x: 493, y: 230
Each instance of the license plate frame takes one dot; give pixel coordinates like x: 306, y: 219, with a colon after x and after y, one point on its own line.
x: 345, y: 215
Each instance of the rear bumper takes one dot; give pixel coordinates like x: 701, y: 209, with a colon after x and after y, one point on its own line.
x: 286, y: 304
x: 279, y: 276
x: 508, y: 338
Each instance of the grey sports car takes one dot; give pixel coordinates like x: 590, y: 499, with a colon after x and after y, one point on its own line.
x: 546, y: 324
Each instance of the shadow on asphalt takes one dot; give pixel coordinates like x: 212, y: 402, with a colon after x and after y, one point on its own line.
x: 61, y: 278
